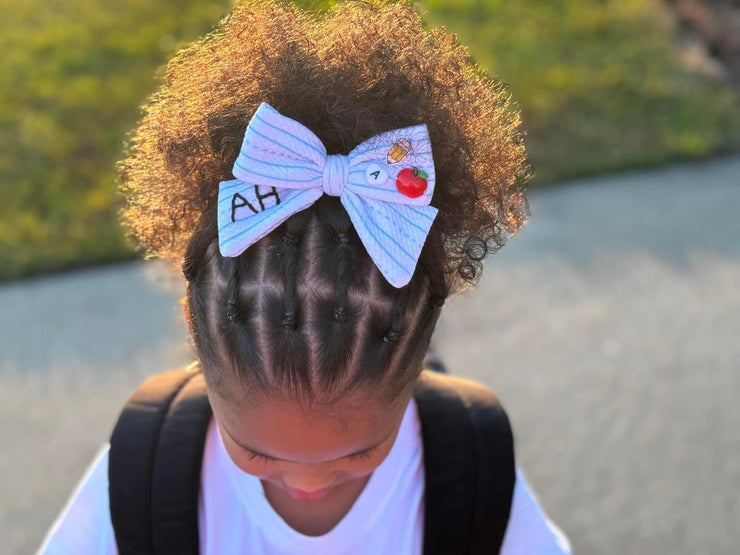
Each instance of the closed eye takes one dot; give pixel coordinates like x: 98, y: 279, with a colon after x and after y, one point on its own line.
x: 252, y: 455
x: 366, y: 454
x: 362, y: 455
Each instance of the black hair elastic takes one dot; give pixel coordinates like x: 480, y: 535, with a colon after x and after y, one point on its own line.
x: 289, y: 320
x: 390, y: 336
x: 339, y: 314
x: 231, y: 312
x: 342, y: 239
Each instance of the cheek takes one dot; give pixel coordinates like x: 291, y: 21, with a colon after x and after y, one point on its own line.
x: 361, y: 467
x: 357, y: 468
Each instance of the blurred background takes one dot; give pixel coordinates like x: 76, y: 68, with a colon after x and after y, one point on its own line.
x: 608, y: 326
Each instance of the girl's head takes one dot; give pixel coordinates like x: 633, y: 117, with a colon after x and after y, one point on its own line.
x: 303, y: 316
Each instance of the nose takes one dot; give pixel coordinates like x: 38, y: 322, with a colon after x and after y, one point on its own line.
x: 309, y: 478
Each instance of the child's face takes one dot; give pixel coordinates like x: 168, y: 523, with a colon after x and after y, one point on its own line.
x: 308, y: 451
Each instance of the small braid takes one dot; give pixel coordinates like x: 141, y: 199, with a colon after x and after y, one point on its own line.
x: 338, y: 255
x: 338, y: 224
x: 343, y: 269
x: 398, y: 314
x: 232, y: 288
x: 237, y: 339
x: 284, y: 324
x: 289, y: 254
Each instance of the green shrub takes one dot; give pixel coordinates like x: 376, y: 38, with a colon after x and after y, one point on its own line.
x: 72, y: 76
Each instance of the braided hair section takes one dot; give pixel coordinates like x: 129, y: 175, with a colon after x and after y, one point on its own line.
x: 338, y: 313
x: 284, y: 310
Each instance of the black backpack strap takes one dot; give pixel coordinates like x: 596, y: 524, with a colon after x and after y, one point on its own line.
x: 154, y: 465
x: 469, y: 465
x: 177, y: 471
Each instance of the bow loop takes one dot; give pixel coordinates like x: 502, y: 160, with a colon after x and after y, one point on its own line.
x: 385, y: 184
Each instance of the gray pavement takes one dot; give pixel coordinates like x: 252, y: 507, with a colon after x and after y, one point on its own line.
x: 608, y: 327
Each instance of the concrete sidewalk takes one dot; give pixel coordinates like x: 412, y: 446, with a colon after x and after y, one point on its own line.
x: 608, y: 327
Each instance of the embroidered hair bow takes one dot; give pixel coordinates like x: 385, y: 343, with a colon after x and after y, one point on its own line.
x: 385, y: 184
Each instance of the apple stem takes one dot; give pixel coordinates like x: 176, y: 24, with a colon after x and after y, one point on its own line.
x: 418, y: 172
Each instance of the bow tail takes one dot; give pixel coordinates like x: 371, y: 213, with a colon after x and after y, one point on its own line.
x: 392, y: 233
x: 248, y: 212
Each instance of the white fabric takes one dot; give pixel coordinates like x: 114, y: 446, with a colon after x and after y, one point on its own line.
x: 235, y: 517
x: 283, y: 168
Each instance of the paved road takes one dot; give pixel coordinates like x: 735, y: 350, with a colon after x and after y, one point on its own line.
x: 609, y: 328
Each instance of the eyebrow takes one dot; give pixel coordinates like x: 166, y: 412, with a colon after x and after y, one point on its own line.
x: 256, y: 452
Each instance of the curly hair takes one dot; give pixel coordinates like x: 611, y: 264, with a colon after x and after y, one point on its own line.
x: 305, y: 306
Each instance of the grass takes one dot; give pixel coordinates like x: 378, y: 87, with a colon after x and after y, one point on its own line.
x: 597, y: 81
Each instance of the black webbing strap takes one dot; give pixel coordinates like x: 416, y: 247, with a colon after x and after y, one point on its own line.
x: 449, y: 470
x: 177, y: 471
x: 496, y: 477
x: 469, y: 466
x: 131, y: 460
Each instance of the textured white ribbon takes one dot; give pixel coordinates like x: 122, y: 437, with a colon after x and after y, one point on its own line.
x: 283, y: 168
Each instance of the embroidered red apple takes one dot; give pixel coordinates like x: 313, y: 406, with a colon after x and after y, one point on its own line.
x: 411, y: 182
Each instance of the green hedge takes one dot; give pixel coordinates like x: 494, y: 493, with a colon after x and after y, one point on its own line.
x: 73, y: 74
x: 597, y: 82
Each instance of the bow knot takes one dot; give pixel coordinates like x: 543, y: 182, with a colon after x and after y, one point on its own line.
x: 336, y: 174
x: 385, y: 184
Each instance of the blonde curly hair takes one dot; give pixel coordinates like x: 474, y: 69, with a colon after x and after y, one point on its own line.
x: 348, y: 73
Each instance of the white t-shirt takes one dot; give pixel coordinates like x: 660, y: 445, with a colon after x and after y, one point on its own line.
x: 235, y: 517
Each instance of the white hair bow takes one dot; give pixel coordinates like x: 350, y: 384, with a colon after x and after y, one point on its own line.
x: 385, y: 184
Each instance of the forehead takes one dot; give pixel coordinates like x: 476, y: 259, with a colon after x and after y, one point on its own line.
x: 294, y: 430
